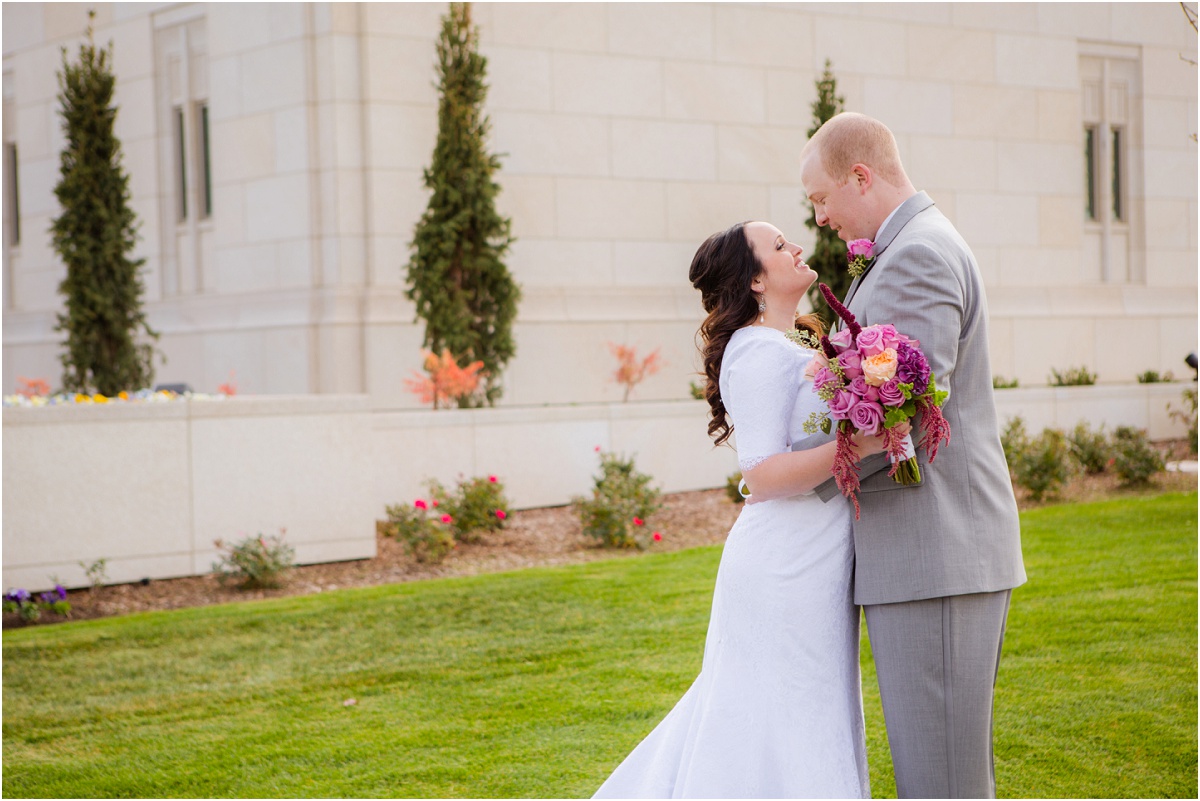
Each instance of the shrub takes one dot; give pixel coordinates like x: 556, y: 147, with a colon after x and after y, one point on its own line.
x: 1135, y: 459
x: 697, y: 390
x: 631, y: 370
x: 1072, y: 377
x: 622, y: 500
x: 97, y: 573
x: 1153, y: 377
x: 1043, y: 466
x: 1091, y: 449
x: 475, y: 506
x: 1187, y: 416
x: 446, y: 382
x: 1014, y: 439
x: 427, y: 535
x: 29, y: 609
x: 732, y: 488
x: 256, y: 562
x: 1000, y: 382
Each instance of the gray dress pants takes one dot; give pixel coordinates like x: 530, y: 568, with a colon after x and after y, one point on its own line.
x: 936, y: 661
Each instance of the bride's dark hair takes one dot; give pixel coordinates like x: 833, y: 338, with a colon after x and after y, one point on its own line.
x: 723, y: 269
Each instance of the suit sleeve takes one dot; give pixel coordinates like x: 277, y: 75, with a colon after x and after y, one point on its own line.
x: 924, y: 298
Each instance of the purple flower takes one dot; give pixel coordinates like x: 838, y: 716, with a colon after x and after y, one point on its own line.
x: 62, y: 592
x: 912, y: 368
x: 842, y: 405
x: 851, y: 364
x: 825, y: 377
x: 867, y: 418
x: 858, y: 386
x: 890, y: 393
x: 841, y: 340
x: 47, y: 598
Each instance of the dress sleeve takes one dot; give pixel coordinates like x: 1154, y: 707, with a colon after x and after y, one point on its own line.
x: 762, y: 378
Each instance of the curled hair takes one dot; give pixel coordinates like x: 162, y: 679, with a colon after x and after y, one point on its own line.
x: 723, y: 269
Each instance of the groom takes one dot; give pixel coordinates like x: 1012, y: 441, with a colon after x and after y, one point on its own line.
x: 935, y: 562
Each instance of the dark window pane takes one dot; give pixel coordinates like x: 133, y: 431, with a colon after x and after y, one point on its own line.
x: 182, y: 160
x: 12, y: 197
x: 1118, y: 211
x: 205, y: 163
x: 1089, y: 155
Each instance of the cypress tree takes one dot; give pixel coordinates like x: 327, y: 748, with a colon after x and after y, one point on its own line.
x: 456, y: 274
x: 95, y: 235
x: 829, y: 253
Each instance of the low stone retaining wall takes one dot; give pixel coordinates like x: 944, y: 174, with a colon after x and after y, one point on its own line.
x: 151, y: 486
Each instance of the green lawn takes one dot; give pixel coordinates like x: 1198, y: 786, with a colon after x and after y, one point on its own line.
x: 537, y: 683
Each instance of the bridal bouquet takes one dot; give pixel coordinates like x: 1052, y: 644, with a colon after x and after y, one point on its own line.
x: 873, y: 380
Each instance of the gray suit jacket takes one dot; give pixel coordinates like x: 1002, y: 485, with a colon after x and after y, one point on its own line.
x: 957, y: 531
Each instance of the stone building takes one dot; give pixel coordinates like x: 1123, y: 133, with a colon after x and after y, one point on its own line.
x: 275, y: 152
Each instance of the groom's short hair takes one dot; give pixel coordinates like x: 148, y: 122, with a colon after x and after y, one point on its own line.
x: 850, y: 138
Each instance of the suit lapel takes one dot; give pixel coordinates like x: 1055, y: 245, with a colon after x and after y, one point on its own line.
x: 908, y: 209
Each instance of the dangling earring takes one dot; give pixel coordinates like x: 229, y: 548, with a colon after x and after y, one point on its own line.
x: 762, y: 307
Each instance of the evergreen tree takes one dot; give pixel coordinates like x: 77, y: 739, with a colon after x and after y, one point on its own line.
x: 95, y: 235
x: 829, y: 253
x: 456, y: 275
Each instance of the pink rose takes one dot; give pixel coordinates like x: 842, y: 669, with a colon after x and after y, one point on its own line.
x: 870, y: 340
x: 858, y: 386
x: 890, y: 393
x: 851, y: 364
x: 891, y: 337
x: 815, y: 364
x: 872, y: 394
x: 861, y: 247
x: 841, y: 340
x: 842, y: 405
x: 867, y: 418
x: 824, y: 378
x: 880, y: 367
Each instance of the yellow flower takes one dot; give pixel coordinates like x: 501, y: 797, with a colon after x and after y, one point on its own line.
x: 81, y: 398
x: 123, y: 395
x: 98, y: 398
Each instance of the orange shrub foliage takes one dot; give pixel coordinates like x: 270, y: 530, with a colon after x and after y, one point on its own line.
x: 631, y: 370
x: 446, y: 382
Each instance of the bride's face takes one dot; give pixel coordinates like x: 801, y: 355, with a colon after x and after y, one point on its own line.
x: 784, y: 272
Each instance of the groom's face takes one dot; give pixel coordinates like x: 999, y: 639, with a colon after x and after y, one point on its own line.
x: 839, y: 205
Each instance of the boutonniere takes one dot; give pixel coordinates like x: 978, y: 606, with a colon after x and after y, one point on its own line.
x: 860, y: 253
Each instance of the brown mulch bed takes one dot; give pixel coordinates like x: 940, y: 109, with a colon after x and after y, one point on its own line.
x: 549, y: 536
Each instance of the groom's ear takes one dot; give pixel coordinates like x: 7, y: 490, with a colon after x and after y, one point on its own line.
x: 861, y: 176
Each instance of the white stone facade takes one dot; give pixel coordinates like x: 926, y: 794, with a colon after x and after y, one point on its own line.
x: 630, y: 132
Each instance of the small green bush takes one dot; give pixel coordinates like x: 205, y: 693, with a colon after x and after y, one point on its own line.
x: 1000, y: 382
x: 256, y: 562
x: 621, y: 503
x: 29, y: 609
x: 697, y: 390
x: 1043, y: 466
x: 1187, y: 416
x: 427, y: 535
x: 733, y: 488
x: 1091, y: 449
x: 476, y: 505
x: 1153, y: 377
x: 1072, y: 377
x: 1136, y: 460
x: 1015, y: 439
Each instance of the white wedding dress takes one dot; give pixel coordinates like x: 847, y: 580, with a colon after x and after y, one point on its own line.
x: 776, y: 711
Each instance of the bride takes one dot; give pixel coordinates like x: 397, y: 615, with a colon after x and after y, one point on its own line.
x: 777, y: 708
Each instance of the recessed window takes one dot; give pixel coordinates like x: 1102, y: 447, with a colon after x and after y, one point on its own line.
x: 12, y: 197
x: 1089, y: 159
x: 181, y: 166
x: 205, y: 163
x: 1118, y: 205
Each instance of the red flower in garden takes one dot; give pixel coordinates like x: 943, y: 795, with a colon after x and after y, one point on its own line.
x: 493, y: 479
x: 420, y: 504
x: 500, y: 513
x: 435, y: 503
x: 637, y: 521
x: 597, y: 449
x: 447, y: 519
x: 657, y: 537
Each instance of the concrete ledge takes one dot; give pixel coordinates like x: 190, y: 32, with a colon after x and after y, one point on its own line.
x: 149, y: 486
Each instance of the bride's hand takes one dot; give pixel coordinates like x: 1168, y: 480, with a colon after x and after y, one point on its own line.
x: 866, y: 446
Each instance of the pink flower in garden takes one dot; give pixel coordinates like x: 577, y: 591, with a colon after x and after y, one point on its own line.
x: 447, y: 519
x: 493, y: 479
x: 435, y: 503
x: 657, y: 537
x: 420, y: 504
x: 637, y: 521
x: 500, y: 513
x: 597, y: 449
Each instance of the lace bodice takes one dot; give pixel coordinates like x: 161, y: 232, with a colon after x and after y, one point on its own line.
x: 767, y: 396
